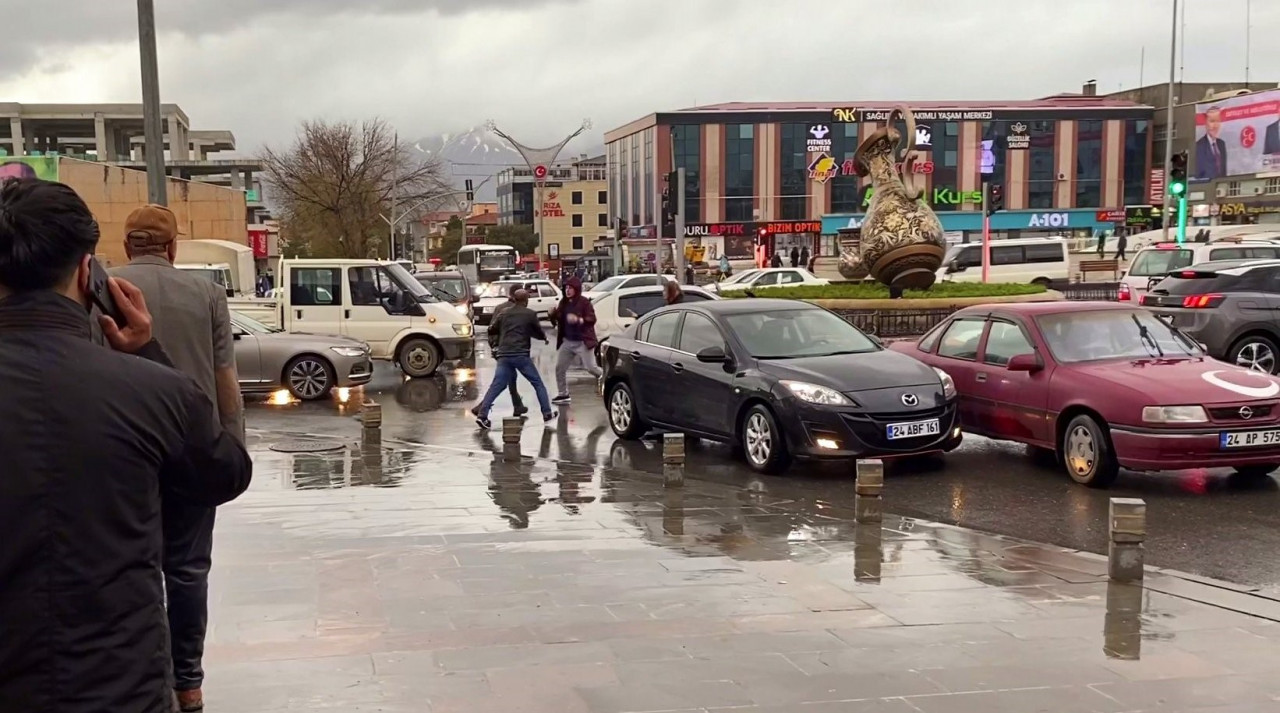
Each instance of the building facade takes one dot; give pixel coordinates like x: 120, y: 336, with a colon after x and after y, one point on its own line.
x: 1067, y: 164
x: 575, y: 214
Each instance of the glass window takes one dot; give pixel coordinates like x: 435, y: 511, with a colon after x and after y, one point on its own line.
x: 790, y: 277
x: 577, y: 220
x: 1112, y: 334
x: 1262, y: 253
x: 931, y: 338
x: 686, y: 143
x: 794, y: 204
x: 633, y: 306
x: 1149, y: 263
x: 740, y: 174
x: 944, y: 154
x: 602, y: 220
x: 690, y: 296
x: 372, y: 287
x: 662, y: 329
x: 546, y: 290
x: 961, y: 339
x: 1004, y: 342
x: 1136, y: 136
x: 846, y: 193
x: 1089, y: 164
x: 602, y: 197
x: 1043, y: 176
x: 964, y: 256
x: 769, y: 278
x: 1227, y: 254
x: 315, y: 286
x: 1049, y: 252
x: 798, y: 333
x: 1006, y: 255
x: 575, y: 197
x: 577, y: 243
x: 698, y: 333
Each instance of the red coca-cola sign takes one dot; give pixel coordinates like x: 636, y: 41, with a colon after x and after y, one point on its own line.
x: 258, y: 240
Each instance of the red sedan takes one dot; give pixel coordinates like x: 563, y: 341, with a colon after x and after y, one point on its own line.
x: 1103, y: 386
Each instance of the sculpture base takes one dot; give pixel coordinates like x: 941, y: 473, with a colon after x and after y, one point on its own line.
x: 911, y: 267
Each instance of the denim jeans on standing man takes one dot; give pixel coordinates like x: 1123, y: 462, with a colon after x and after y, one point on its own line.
x: 505, y: 376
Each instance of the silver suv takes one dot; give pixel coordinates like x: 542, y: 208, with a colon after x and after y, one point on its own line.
x: 1232, y: 307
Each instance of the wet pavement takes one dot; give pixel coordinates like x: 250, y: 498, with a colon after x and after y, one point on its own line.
x: 448, y: 579
x: 1205, y: 522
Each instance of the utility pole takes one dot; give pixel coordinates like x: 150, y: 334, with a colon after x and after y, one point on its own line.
x: 151, y: 122
x: 1168, y: 127
x: 679, y: 202
x: 986, y: 232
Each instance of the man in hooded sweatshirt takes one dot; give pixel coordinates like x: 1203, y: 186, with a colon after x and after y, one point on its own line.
x: 575, y: 321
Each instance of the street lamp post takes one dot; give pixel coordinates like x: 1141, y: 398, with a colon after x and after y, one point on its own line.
x: 152, y: 129
x: 533, y: 158
x: 1168, y: 127
x: 395, y: 220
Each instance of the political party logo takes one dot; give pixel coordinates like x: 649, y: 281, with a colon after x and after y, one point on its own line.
x: 819, y: 138
x: 823, y: 168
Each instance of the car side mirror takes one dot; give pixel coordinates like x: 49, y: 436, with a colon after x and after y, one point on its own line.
x: 876, y: 340
x: 231, y: 292
x: 236, y: 335
x: 713, y: 355
x: 1029, y: 363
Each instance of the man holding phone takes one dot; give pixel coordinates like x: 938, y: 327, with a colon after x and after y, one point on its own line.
x: 92, y: 440
x: 190, y: 320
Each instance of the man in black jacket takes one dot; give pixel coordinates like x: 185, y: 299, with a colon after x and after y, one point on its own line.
x: 516, y: 402
x: 92, y: 438
x: 516, y: 327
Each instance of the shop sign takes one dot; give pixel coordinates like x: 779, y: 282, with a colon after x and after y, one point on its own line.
x: 1049, y: 220
x: 920, y: 167
x: 1110, y: 216
x: 924, y: 136
x: 939, y: 196
x: 819, y: 138
x: 844, y: 116
x: 258, y: 241
x: 705, y: 230
x: 551, y: 206
x: 1156, y: 194
x: 553, y: 250
x: 1237, y: 209
x: 930, y: 114
x: 788, y: 227
x: 1018, y: 139
x: 823, y: 168
x: 1200, y: 210
x: 1137, y: 216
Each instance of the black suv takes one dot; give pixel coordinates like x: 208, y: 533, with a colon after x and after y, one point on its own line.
x: 1232, y: 307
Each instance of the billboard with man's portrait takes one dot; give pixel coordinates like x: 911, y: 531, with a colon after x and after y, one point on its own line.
x: 45, y: 167
x: 1237, y: 136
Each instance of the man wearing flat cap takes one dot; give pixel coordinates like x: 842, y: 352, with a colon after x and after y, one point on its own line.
x: 191, y: 322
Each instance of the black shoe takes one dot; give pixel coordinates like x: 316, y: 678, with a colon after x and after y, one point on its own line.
x: 521, y: 412
x: 550, y: 418
x: 484, y: 423
x: 562, y: 399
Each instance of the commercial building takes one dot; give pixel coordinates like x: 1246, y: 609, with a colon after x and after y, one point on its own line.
x: 1066, y: 164
x: 516, y: 195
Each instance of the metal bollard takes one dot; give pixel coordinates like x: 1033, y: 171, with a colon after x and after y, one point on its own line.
x: 1128, y: 530
x: 371, y: 419
x: 511, y: 429
x: 868, y: 486
x: 673, y: 459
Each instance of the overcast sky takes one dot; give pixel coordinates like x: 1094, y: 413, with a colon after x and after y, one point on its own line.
x: 538, y: 67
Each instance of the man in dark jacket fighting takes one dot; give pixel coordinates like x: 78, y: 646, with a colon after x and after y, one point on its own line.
x: 516, y: 327
x: 92, y: 437
x: 575, y: 321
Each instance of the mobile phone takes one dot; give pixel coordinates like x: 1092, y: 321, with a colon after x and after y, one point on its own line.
x: 100, y: 292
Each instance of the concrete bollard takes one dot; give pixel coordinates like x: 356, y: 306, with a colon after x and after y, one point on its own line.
x: 371, y: 420
x: 1122, y: 626
x: 1128, y: 530
x: 673, y: 512
x: 868, y: 553
x: 673, y: 459
x: 868, y: 486
x: 511, y: 430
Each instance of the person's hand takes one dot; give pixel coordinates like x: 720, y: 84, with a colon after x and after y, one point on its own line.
x: 136, y: 332
x: 573, y: 319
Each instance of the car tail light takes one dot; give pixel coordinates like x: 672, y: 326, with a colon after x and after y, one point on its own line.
x: 1202, y: 301
x: 1124, y: 294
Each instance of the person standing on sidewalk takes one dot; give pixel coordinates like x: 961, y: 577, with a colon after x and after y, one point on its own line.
x: 575, y: 321
x: 517, y: 327
x: 191, y: 321
x: 516, y: 402
x: 1122, y: 241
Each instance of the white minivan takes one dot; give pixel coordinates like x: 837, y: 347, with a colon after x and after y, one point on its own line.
x: 377, y: 302
x: 1150, y: 265
x: 1028, y: 260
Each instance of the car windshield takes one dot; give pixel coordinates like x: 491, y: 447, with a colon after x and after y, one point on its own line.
x: 609, y: 285
x: 251, y: 325
x: 406, y: 281
x: 740, y: 277
x: 1159, y: 261
x: 1113, y: 334
x: 498, y: 289
x: 451, y: 288
x: 797, y: 333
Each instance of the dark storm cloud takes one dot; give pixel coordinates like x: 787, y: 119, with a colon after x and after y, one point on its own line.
x: 48, y: 25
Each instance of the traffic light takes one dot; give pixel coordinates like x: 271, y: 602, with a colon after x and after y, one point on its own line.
x: 471, y: 192
x: 762, y: 234
x: 995, y: 198
x: 670, y: 201
x: 1178, y: 174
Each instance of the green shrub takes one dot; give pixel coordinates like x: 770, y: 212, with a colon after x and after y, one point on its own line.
x: 877, y: 291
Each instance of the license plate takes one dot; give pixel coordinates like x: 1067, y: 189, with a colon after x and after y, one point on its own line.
x: 894, y: 431
x: 1246, y: 439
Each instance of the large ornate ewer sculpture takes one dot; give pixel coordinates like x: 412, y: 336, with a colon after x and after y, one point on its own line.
x: 902, y: 243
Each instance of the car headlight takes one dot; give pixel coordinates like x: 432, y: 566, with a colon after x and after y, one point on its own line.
x: 1174, y: 414
x: 463, y: 330
x: 351, y: 352
x: 948, y: 384
x: 814, y: 394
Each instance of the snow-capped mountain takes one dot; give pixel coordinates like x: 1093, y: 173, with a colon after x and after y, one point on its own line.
x: 478, y: 153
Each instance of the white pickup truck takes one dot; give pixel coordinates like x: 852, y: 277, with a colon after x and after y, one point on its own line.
x: 221, y: 261
x: 377, y: 302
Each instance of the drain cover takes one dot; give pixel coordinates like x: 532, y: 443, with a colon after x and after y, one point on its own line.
x: 306, y: 446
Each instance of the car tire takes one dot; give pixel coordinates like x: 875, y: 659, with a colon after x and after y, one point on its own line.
x: 419, y: 358
x: 1042, y: 281
x: 1257, y: 353
x: 762, y: 443
x: 624, y: 415
x: 1257, y: 472
x: 308, y: 377
x: 1087, y: 454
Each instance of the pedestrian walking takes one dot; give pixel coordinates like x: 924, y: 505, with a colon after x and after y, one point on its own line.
x: 776, y: 261
x: 516, y: 402
x: 575, y: 321
x: 92, y: 436
x: 191, y: 322
x: 672, y: 294
x: 804, y: 259
x: 795, y: 257
x: 688, y: 274
x: 517, y: 327
x: 1102, y: 245
x: 1121, y: 242
x: 725, y: 269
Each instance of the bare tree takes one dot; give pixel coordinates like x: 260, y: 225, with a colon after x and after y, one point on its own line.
x: 336, y: 180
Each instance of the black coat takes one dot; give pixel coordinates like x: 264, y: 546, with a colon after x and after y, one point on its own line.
x: 516, y: 327
x: 91, y: 438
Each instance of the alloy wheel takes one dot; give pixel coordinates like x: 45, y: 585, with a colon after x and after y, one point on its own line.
x: 759, y: 439
x: 1256, y: 356
x: 620, y: 410
x: 1082, y: 451
x: 308, y: 378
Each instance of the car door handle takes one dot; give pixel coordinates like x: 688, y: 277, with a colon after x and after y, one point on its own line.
x: 635, y: 355
x: 298, y: 313
x: 981, y: 377
x: 346, y: 314
x: 677, y: 367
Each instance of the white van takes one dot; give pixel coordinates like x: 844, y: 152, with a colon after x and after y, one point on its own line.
x: 1150, y: 265
x: 376, y: 302
x: 1035, y: 260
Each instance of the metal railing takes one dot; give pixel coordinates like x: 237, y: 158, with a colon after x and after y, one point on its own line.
x: 896, y: 323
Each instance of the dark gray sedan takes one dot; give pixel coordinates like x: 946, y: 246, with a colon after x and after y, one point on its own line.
x: 308, y: 365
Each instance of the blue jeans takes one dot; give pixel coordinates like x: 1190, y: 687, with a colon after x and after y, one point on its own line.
x: 508, y: 367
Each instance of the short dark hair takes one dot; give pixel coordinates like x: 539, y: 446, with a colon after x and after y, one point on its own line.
x: 45, y: 231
